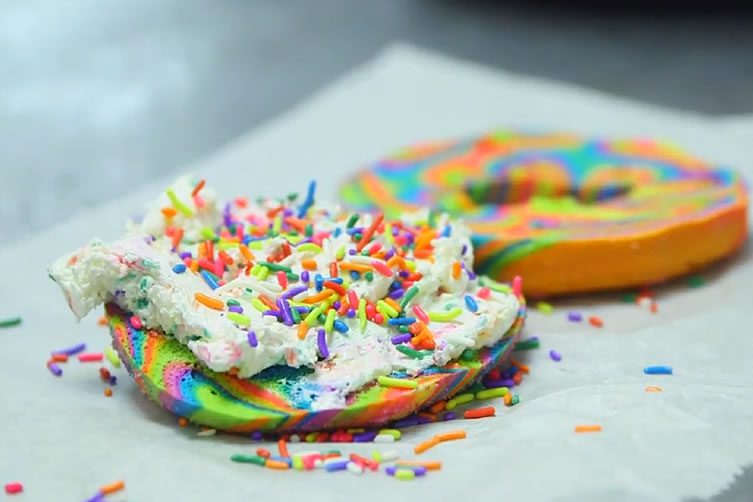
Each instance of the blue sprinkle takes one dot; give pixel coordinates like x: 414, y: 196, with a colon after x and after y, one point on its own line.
x: 401, y: 321
x: 351, y: 313
x: 340, y: 326
x: 354, y: 275
x: 658, y: 370
x: 447, y: 231
x: 281, y: 459
x: 336, y: 280
x: 337, y: 232
x: 209, y: 279
x: 309, y: 201
x: 318, y: 282
x: 336, y: 466
x: 471, y: 303
x: 179, y: 268
x: 395, y: 285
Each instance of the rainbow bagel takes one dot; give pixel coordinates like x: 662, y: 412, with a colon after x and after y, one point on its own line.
x: 275, y: 400
x: 568, y: 215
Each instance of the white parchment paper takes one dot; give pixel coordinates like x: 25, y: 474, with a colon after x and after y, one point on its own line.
x: 63, y: 439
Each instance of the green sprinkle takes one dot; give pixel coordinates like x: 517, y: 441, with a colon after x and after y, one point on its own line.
x: 496, y: 286
x: 313, y: 315
x: 112, y: 356
x: 232, y: 303
x: 297, y: 462
x: 276, y: 267
x: 352, y: 220
x: 531, y: 343
x: 309, y: 246
x: 149, y: 263
x: 412, y: 291
x: 405, y: 474
x: 340, y: 254
x: 309, y: 230
x: 469, y: 355
x: 292, y: 276
x: 629, y: 298
x: 144, y: 283
x: 490, y: 393
x: 376, y: 455
x: 362, y: 313
x: 208, y: 233
x: 248, y: 459
x: 412, y: 353
x: 458, y: 400
x: 185, y: 210
x: 391, y: 312
x: 295, y: 315
x: 328, y: 322
x: 369, y: 276
x: 239, y: 319
x: 515, y: 400
x: 399, y: 383
x: 445, y: 316
x: 432, y: 218
x: 256, y: 245
x: 292, y: 196
x: 311, y: 437
x: 263, y: 273
x: 277, y: 225
x: 696, y: 281
x: 544, y: 307
x: 403, y: 329
x: 258, y: 305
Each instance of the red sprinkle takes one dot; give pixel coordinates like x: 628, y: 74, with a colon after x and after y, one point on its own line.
x: 13, y: 488
x: 282, y: 278
x: 263, y: 452
x: 486, y: 411
x: 333, y: 269
x: 484, y: 293
x: 337, y: 288
x: 596, y: 321
x: 382, y: 268
x: 378, y: 318
x: 90, y: 357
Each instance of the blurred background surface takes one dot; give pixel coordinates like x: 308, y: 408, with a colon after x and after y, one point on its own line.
x: 97, y: 96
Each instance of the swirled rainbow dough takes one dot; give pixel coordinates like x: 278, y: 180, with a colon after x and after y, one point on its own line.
x: 565, y: 213
x: 286, y: 315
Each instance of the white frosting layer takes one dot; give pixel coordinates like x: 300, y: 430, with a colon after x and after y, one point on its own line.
x: 137, y: 273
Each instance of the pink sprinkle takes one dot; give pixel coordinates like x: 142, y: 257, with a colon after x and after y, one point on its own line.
x: 198, y: 201
x: 219, y: 267
x: 90, y: 357
x: 484, y: 293
x: 382, y: 268
x: 282, y: 278
x: 420, y: 313
x: 135, y: 322
x: 13, y: 488
x: 352, y: 298
x: 517, y: 286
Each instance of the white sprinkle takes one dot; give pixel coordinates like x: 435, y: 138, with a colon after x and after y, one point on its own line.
x: 295, y: 438
x: 206, y: 432
x: 318, y: 463
x: 384, y: 438
x: 332, y: 460
x: 355, y: 468
x: 390, y: 456
x: 644, y: 301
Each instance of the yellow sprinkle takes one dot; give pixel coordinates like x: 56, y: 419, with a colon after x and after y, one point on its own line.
x: 340, y: 255
x: 225, y: 245
x: 263, y: 273
x: 309, y: 246
x: 310, y: 319
x: 392, y: 432
x: 208, y: 233
x: 458, y: 400
x: 259, y: 305
x: 544, y: 307
x: 185, y: 210
x: 112, y: 356
x: 399, y: 383
x: 239, y: 319
x: 391, y: 312
x: 329, y: 321
x: 255, y: 245
x: 445, y: 316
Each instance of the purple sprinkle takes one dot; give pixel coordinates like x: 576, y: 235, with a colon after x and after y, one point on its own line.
x: 389, y: 254
x: 365, y: 437
x: 398, y: 293
x: 54, y: 369
x: 465, y: 249
x: 422, y: 419
x: 404, y: 274
x: 471, y: 276
x: 494, y: 384
x: 574, y: 317
x: 450, y: 415
x: 287, y: 295
x: 252, y: 341
x: 351, y: 252
x: 287, y: 212
x: 351, y: 313
x: 112, y: 380
x: 235, y: 308
x: 390, y: 470
x: 287, y: 316
x: 406, y: 422
x: 418, y: 470
x: 337, y: 305
x: 99, y: 497
x: 305, y: 276
x: 321, y: 340
x: 403, y: 338
x: 257, y: 436
x: 556, y: 356
x: 185, y: 254
x: 273, y: 313
x: 71, y: 351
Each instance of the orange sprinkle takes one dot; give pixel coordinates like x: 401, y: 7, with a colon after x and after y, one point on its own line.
x: 358, y: 267
x: 194, y: 266
x: 169, y: 212
x: 299, y: 225
x: 522, y: 367
x: 654, y: 388
x: 102, y: 321
x: 60, y: 358
x: 276, y: 464
x: 263, y: 452
x: 302, y: 330
x: 422, y: 447
x: 369, y: 232
x: 309, y: 264
x: 392, y: 303
x: 233, y: 371
x: 112, y: 488
x: 333, y: 269
x: 247, y: 254
x: 438, y: 407
x: 486, y: 411
x: 654, y: 308
x: 396, y: 260
x: 198, y: 188
x: 212, y: 303
x: 177, y: 238
x: 182, y: 422
x: 430, y: 465
x: 108, y: 391
x: 595, y: 321
x: 282, y: 446
x: 269, y: 303
x: 507, y: 399
x: 422, y: 253
x: 588, y: 428
x: 226, y: 259
x: 452, y: 435
x: 456, y: 270
x: 319, y: 296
